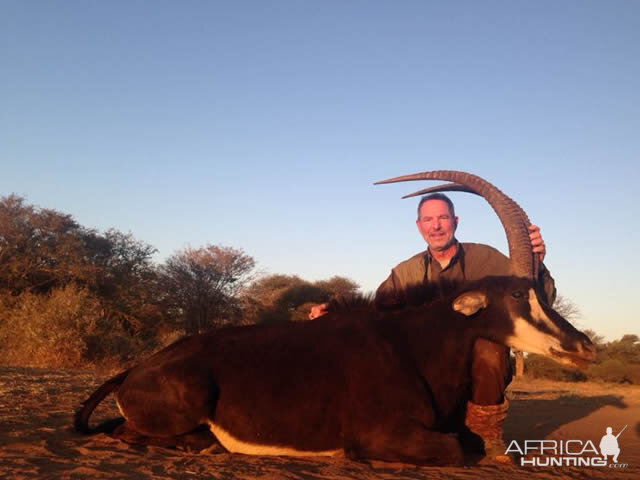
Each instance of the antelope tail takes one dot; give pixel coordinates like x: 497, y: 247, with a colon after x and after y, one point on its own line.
x: 81, y: 419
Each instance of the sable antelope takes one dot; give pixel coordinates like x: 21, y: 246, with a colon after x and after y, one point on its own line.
x: 374, y: 385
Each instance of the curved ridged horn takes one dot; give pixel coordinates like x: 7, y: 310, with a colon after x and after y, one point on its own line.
x: 446, y: 187
x: 513, y: 218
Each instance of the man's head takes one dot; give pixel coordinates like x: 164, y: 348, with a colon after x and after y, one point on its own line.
x: 437, y: 221
x: 609, y: 430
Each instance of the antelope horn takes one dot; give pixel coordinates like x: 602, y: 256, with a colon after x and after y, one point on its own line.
x: 513, y: 218
x: 446, y: 187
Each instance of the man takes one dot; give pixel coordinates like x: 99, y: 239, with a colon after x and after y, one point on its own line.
x: 450, y: 261
x: 447, y: 260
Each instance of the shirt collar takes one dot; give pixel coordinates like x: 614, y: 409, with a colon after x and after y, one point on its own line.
x: 456, y: 256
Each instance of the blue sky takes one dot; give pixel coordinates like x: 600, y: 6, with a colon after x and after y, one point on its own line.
x: 263, y: 125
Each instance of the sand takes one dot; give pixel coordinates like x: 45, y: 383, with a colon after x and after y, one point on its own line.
x: 37, y: 439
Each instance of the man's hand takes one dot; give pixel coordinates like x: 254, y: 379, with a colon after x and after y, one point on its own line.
x: 318, y: 311
x: 537, y: 243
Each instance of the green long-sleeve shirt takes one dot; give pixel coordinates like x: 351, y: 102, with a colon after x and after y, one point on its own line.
x: 472, y: 261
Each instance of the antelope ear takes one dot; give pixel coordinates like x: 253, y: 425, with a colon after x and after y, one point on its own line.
x: 469, y: 303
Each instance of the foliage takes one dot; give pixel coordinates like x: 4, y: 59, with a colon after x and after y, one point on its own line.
x: 201, y: 286
x: 40, y: 249
x: 627, y: 350
x: 597, y: 340
x: 538, y: 366
x: 72, y: 295
x: 283, y: 298
x: 126, y: 281
x: 567, y: 308
x: 616, y: 362
x: 57, y: 277
x: 57, y: 329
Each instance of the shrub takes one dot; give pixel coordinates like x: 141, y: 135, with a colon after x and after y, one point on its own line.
x: 633, y: 374
x: 611, y: 370
x: 48, y: 330
x: 538, y: 366
x: 63, y: 328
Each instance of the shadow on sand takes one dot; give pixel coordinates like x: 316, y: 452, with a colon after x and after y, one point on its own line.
x: 531, y: 418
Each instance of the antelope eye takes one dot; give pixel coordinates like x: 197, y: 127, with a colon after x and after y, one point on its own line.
x: 516, y: 294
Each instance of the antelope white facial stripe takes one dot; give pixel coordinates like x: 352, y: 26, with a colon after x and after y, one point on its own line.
x: 538, y: 314
x: 528, y: 338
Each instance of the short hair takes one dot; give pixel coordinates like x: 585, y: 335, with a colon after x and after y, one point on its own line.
x: 438, y: 196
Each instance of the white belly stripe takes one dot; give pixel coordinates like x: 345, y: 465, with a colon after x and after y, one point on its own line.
x: 234, y: 445
x: 120, y: 409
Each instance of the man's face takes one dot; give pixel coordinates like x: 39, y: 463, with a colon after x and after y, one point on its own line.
x: 436, y: 225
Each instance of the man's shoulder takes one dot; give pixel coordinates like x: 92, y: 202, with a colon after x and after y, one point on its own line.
x: 410, y: 271
x: 482, y: 260
x: 417, y: 259
x: 480, y: 249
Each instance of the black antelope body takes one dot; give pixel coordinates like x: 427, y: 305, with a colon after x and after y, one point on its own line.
x: 375, y: 385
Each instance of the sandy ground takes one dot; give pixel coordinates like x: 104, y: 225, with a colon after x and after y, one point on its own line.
x: 37, y: 441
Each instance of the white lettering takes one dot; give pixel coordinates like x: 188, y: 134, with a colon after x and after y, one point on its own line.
x: 568, y: 442
x: 530, y: 445
x: 541, y: 463
x: 531, y: 462
x: 515, y: 449
x: 567, y: 462
x: 571, y: 461
x: 552, y: 453
x: 592, y: 448
x: 552, y: 447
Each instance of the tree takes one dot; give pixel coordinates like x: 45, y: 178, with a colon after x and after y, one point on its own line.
x: 201, y: 285
x: 40, y: 248
x: 565, y: 307
x: 49, y: 263
x: 627, y: 349
x: 596, y: 339
x: 125, y: 280
x: 43, y: 249
x: 282, y: 298
x: 338, y: 286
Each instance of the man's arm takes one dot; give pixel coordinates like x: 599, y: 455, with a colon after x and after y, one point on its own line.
x: 389, y: 296
x: 537, y: 243
x: 318, y: 310
x: 545, y: 280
